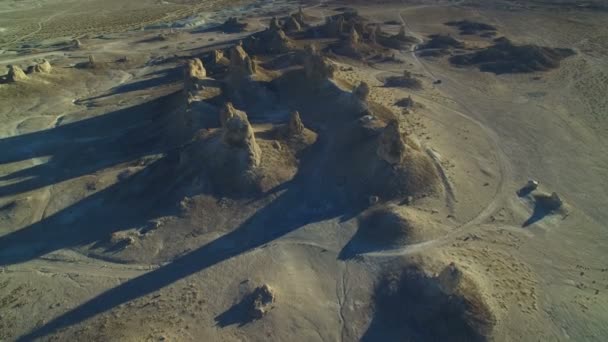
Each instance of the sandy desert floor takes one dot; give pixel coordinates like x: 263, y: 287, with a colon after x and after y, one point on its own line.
x: 85, y: 157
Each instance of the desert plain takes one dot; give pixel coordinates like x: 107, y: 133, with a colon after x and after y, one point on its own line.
x: 303, y: 170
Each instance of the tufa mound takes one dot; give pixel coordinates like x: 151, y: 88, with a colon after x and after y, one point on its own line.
x: 398, y: 41
x: 317, y: 68
x: 443, y: 42
x: 450, y: 279
x: 261, y: 301
x: 467, y: 27
x: 194, y: 72
x: 414, y: 306
x: 342, y: 24
x: 372, y: 160
x: 273, y: 40
x: 232, y: 25
x: 361, y: 92
x: 406, y: 102
x: 295, y: 125
x: 393, y: 226
x: 391, y: 146
x: 505, y: 57
x: 241, y: 66
x: 292, y: 25
x: 42, y: 67
x: 407, y: 80
x: 15, y: 74
x: 229, y: 156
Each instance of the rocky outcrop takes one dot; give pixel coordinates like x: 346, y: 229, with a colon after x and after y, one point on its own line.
x: 295, y: 125
x: 42, y: 67
x: 391, y: 146
x: 292, y: 25
x: 270, y: 41
x: 238, y: 137
x: 316, y: 67
x: 449, y: 279
x: 334, y: 26
x: 374, y: 33
x: 15, y: 74
x: 299, y: 17
x: 241, y: 67
x: 402, y: 33
x: 194, y: 72
x: 233, y: 25
x: 195, y: 69
x: 218, y: 58
x: 227, y: 112
x: 240, y: 62
x: 274, y: 24
x: 361, y: 92
x: 262, y: 299
x: 353, y: 36
x: 91, y: 63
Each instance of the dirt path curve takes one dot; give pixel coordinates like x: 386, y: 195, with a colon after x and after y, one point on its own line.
x: 502, y: 195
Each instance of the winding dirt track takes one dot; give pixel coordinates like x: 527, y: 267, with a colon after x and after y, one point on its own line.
x: 502, y: 194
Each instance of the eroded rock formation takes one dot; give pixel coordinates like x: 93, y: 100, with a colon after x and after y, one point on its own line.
x: 43, y: 67
x: 238, y: 137
x: 316, y: 67
x: 16, y: 74
x: 240, y: 62
x: 391, y: 146
x: 194, y: 72
x: 262, y: 299
x: 295, y: 125
x: 449, y: 279
x: 270, y: 41
x: 361, y: 92
x: 292, y: 25
x: 233, y: 25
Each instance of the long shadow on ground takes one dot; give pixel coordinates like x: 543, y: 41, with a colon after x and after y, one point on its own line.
x: 85, y: 146
x: 268, y: 224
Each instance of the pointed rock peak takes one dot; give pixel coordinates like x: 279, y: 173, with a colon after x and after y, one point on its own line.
x: 316, y: 67
x: 217, y: 56
x: 293, y: 25
x: 42, y: 67
x: 274, y: 24
x: 194, y: 69
x: 391, y: 147
x: 450, y: 278
x: 354, y: 36
x: 295, y: 125
x: 227, y: 112
x: 16, y: 74
x: 402, y: 32
x: 240, y: 62
x: 362, y: 91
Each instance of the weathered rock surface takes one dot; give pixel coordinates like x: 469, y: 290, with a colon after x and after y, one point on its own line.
x: 238, y: 137
x: 262, y: 299
x: 194, y: 72
x: 361, y: 92
x: 292, y: 25
x: 295, y: 126
x: 449, y: 279
x: 270, y: 41
x: 16, y: 74
x: 391, y: 146
x: 316, y: 67
x: 241, y: 64
x: 43, y: 67
x: 233, y: 25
